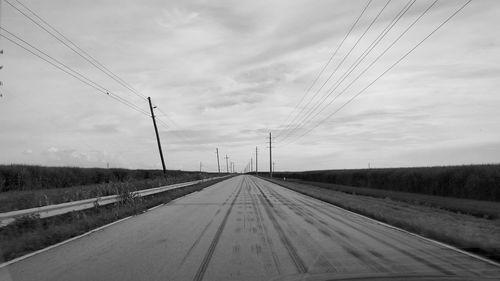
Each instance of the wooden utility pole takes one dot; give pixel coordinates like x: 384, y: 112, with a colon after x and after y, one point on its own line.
x: 256, y: 162
x: 270, y: 156
x: 227, y: 165
x: 157, y: 137
x: 218, y: 164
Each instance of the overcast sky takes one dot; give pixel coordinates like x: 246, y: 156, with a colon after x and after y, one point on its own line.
x: 228, y: 72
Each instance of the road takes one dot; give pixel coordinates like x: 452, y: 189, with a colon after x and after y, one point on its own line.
x: 245, y: 228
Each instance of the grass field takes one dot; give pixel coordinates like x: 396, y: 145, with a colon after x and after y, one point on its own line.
x: 29, y: 177
x: 31, y: 233
x: 18, y: 200
x: 32, y: 188
x: 484, y: 209
x: 478, y: 182
x: 467, y: 232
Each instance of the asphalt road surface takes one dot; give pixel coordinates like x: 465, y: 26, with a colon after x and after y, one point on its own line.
x: 245, y: 228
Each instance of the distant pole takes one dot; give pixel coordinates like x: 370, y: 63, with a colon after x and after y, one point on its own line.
x: 200, y: 167
x: 251, y: 165
x: 256, y: 162
x: 270, y: 156
x: 218, y: 164
x: 227, y: 166
x: 157, y: 137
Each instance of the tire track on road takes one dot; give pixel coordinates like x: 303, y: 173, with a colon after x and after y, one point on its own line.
x: 195, y: 242
x: 299, y: 207
x: 322, y: 259
x: 208, y: 256
x: 449, y: 260
x: 264, y: 233
x: 403, y: 251
x: 454, y: 261
x: 292, y: 251
x: 330, y: 232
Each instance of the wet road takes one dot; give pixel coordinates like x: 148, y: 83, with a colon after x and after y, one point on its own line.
x: 245, y: 228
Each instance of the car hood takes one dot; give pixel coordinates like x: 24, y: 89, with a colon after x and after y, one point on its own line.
x: 378, y: 277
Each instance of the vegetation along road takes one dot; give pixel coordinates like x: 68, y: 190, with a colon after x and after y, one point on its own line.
x: 246, y: 228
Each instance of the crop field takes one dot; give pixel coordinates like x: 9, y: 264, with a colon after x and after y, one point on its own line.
x: 23, y: 187
x: 478, y: 208
x: 478, y: 182
x: 28, y: 177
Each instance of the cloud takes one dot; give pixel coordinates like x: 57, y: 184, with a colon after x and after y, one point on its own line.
x: 176, y: 18
x: 228, y: 73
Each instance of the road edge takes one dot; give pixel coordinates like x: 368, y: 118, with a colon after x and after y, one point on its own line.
x: 442, y: 244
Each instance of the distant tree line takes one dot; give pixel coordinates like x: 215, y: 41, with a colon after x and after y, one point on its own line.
x: 27, y: 177
x: 481, y: 182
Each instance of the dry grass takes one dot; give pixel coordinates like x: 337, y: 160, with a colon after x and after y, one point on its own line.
x: 485, y: 209
x: 18, y: 200
x: 464, y: 231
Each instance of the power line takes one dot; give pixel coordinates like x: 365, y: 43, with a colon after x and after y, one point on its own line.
x: 324, y: 68
x: 374, y: 61
x: 342, y: 61
x: 167, y: 126
x: 76, y: 49
x: 387, y: 70
x: 174, y: 124
x: 63, y: 67
x: 353, y: 66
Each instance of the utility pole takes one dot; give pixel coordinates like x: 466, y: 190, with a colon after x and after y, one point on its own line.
x: 256, y: 162
x: 157, y: 137
x: 251, y: 165
x: 227, y: 166
x: 218, y: 164
x: 200, y: 167
x: 270, y: 156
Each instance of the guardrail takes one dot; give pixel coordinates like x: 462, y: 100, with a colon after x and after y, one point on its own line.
x: 59, y: 209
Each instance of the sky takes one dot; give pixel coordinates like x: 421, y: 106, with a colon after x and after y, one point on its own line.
x: 223, y: 74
